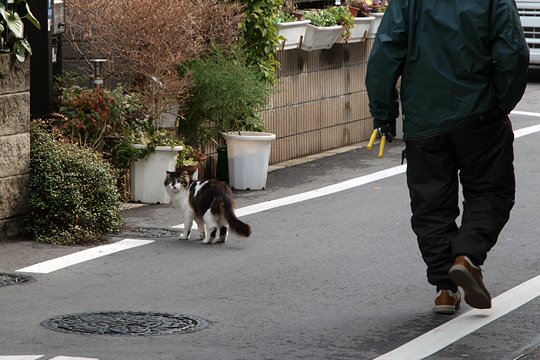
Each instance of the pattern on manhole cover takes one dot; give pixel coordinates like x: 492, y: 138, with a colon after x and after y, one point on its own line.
x: 11, y: 279
x: 149, y: 232
x: 124, y: 323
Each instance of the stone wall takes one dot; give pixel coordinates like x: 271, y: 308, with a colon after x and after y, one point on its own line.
x: 14, y: 145
x: 320, y: 102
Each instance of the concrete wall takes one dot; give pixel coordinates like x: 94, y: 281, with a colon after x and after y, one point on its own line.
x: 14, y: 144
x: 320, y: 102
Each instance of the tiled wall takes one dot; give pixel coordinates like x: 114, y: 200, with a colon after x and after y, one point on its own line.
x: 320, y: 102
x: 14, y: 144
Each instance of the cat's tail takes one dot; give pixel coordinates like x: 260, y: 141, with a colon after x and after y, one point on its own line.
x: 236, y: 225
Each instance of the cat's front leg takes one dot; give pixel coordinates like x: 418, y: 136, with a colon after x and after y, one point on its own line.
x: 188, y: 223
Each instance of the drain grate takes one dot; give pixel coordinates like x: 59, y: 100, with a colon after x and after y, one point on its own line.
x: 138, y: 232
x: 12, y: 279
x: 125, y: 323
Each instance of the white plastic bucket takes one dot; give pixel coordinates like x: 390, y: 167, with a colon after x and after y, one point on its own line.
x: 248, y: 154
x: 147, y: 175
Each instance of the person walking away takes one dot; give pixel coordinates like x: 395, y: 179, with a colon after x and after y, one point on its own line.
x: 463, y: 68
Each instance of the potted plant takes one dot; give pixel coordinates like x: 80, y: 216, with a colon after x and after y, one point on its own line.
x: 362, y: 21
x: 116, y: 123
x: 326, y: 26
x: 155, y: 151
x: 291, y: 28
x: 226, y: 97
x: 12, y: 37
x: 377, y: 9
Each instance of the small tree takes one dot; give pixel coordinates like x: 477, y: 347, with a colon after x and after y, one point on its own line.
x: 146, y: 40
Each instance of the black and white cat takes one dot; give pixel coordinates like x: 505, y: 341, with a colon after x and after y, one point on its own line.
x: 209, y: 203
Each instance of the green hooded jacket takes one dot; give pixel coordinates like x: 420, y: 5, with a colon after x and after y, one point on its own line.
x: 457, y: 59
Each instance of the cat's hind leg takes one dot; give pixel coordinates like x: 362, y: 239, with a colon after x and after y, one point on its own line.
x: 201, y: 227
x: 211, y: 227
x: 223, y: 234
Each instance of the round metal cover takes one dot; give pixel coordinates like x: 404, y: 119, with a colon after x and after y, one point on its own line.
x: 124, y: 323
x: 12, y: 279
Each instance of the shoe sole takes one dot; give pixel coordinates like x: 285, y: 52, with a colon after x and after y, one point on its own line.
x: 445, y: 309
x: 475, y: 295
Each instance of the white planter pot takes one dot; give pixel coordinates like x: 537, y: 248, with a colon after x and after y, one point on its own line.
x: 372, y: 31
x: 147, y: 175
x: 359, y: 31
x: 293, y: 32
x: 248, y: 155
x: 317, y: 38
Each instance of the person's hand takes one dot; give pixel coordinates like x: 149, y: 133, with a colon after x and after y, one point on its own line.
x: 386, y: 127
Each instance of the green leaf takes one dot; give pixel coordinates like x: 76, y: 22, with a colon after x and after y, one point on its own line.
x: 13, y: 21
x: 30, y: 17
x: 20, y: 49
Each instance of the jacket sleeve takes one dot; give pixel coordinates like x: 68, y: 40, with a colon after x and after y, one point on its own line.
x: 510, y: 55
x: 386, y: 61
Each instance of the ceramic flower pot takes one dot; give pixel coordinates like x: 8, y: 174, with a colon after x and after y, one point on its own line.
x: 248, y: 154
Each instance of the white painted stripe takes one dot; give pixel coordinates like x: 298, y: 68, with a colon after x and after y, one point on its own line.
x: 81, y: 256
x: 21, y: 357
x: 455, y: 329
x: 331, y: 189
x: 526, y: 113
x: 526, y: 131
x: 349, y: 184
x: 71, y: 358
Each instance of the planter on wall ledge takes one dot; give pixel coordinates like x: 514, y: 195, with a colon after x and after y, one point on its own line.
x: 147, y: 174
x: 293, y: 32
x: 318, y: 38
x: 359, y: 31
x: 248, y: 154
x: 372, y: 31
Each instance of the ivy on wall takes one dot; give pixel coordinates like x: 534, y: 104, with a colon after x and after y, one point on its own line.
x: 261, y: 35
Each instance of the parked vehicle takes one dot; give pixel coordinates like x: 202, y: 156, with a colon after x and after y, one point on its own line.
x: 529, y: 13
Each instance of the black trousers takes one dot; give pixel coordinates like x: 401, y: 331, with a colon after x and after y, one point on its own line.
x: 479, y: 156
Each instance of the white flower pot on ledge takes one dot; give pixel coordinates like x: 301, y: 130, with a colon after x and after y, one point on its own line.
x: 372, y: 31
x: 293, y: 32
x: 248, y: 154
x: 147, y: 174
x: 359, y: 31
x: 318, y: 38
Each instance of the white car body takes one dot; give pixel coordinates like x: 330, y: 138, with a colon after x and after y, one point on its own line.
x: 529, y: 14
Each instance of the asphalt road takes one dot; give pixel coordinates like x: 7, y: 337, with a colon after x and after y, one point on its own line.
x: 332, y: 277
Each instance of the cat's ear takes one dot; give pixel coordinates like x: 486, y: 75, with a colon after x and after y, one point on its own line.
x: 195, y: 175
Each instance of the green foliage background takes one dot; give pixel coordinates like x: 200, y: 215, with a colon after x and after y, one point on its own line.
x: 261, y: 35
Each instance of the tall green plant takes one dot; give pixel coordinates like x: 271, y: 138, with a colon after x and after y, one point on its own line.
x: 227, y: 95
x: 260, y: 33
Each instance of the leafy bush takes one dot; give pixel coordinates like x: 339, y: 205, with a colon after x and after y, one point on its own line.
x: 226, y: 95
x: 144, y: 40
x: 261, y: 37
x: 73, y: 194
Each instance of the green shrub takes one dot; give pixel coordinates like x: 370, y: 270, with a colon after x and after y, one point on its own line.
x: 227, y: 95
x: 73, y: 194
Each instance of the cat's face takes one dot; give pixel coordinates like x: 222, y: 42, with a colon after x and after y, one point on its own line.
x: 176, y: 181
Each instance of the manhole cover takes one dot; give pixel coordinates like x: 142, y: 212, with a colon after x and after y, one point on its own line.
x: 12, y: 279
x: 124, y: 323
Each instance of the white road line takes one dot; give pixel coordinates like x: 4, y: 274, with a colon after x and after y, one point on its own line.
x: 525, y: 113
x: 21, y: 357
x: 457, y: 328
x: 349, y: 184
x: 71, y: 358
x: 327, y: 190
x: 81, y: 256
